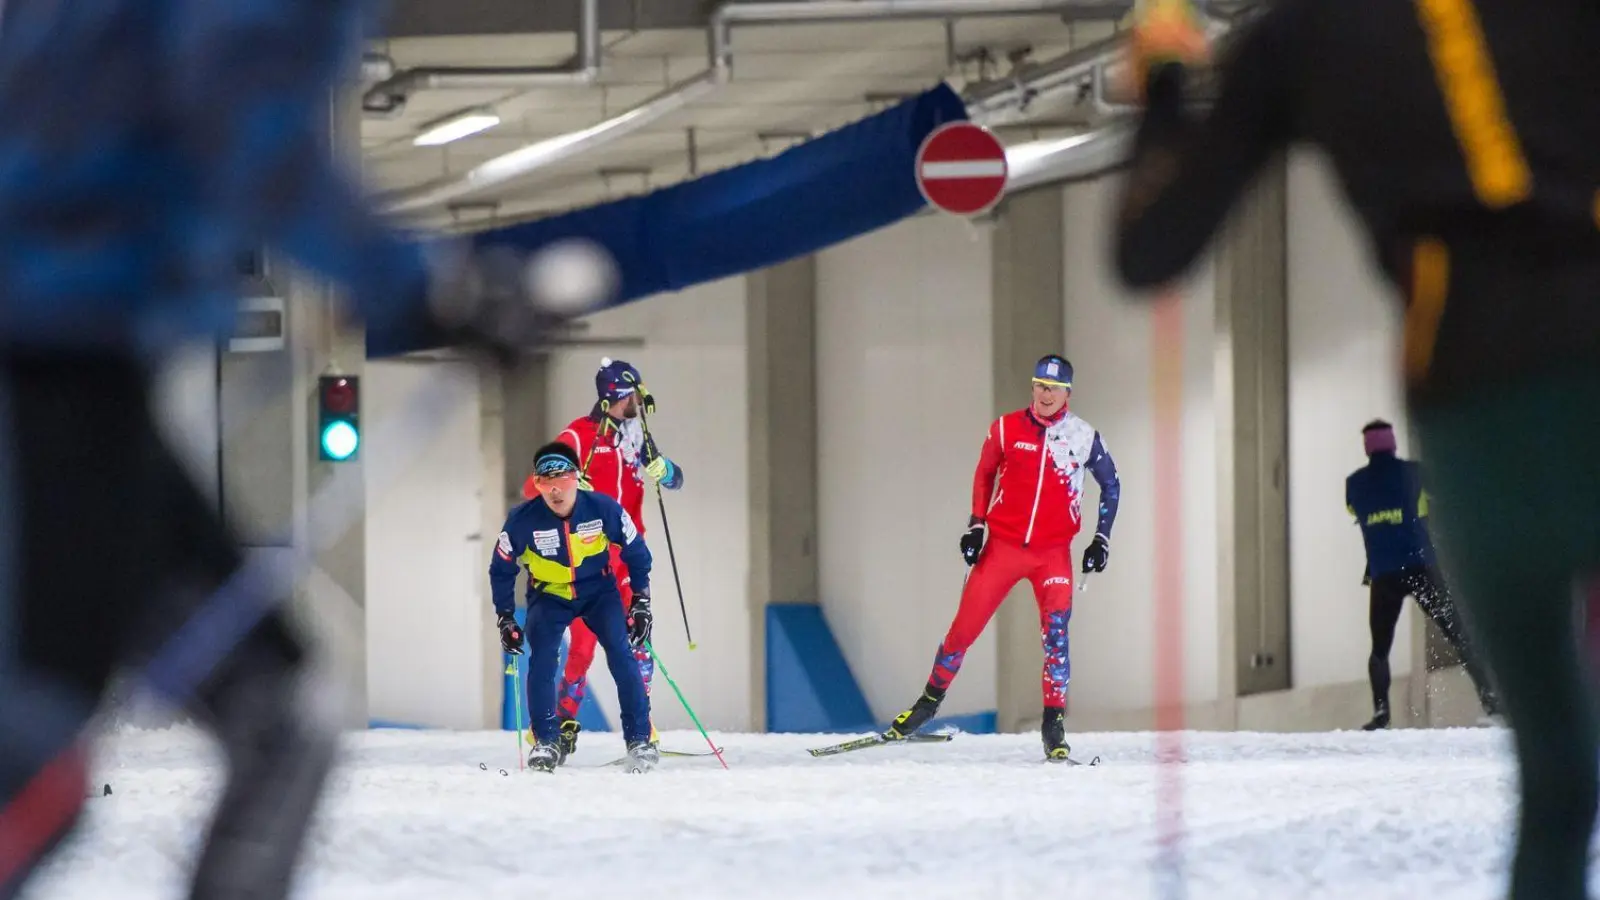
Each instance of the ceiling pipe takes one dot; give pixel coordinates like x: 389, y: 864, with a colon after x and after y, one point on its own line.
x: 527, y: 160
x: 390, y: 94
x: 1102, y: 150
x: 730, y: 14
x: 997, y: 101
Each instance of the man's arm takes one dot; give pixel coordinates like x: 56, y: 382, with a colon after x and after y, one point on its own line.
x: 1104, y: 470
x: 989, y: 459
x: 503, y: 570
x: 620, y: 530
x: 253, y: 85
x: 1186, y: 174
x: 662, y: 471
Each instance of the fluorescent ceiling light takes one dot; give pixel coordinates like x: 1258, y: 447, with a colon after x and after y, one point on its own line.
x: 456, y: 127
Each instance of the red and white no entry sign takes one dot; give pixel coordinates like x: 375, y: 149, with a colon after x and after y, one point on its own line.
x: 961, y: 168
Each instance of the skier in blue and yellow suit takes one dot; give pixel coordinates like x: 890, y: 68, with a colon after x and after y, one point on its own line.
x: 563, y: 537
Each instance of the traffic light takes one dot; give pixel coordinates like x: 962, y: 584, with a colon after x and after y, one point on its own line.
x: 338, y: 417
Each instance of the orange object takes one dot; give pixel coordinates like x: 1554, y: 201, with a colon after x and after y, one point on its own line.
x: 1165, y: 31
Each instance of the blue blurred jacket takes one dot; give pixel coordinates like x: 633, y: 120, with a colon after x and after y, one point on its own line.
x: 144, y: 144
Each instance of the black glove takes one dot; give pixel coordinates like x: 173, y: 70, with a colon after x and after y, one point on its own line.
x: 972, y: 541
x: 495, y: 300
x: 510, y: 633
x: 639, y: 620
x: 1366, y: 576
x: 1094, y: 555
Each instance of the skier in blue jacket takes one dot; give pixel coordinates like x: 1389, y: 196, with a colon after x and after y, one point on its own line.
x: 563, y: 537
x: 1389, y: 502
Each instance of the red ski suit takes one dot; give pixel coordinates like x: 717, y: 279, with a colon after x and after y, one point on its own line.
x: 610, y: 458
x: 1028, y: 490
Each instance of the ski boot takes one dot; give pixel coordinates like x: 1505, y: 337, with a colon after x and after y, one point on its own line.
x: 642, y: 756
x: 1053, y: 732
x: 906, y: 724
x: 544, y: 757
x: 568, y: 741
x: 1380, y: 717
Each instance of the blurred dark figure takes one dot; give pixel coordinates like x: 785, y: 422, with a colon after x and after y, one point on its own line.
x: 1466, y: 135
x: 143, y: 145
x: 1390, y: 505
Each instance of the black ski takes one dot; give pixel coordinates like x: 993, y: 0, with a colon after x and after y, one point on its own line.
x: 1071, y: 761
x: 878, y: 740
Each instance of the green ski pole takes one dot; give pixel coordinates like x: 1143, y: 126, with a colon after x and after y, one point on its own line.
x: 516, y: 687
x: 687, y: 708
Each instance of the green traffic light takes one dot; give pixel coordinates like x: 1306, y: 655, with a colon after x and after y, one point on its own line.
x: 340, y: 440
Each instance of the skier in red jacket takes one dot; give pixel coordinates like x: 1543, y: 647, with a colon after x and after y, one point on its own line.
x: 1025, y: 512
x: 616, y: 456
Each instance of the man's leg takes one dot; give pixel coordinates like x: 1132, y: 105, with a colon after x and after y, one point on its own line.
x: 547, y: 618
x: 1433, y: 596
x: 277, y: 723
x: 1052, y: 590
x: 575, y: 678
x: 1000, y: 567
x: 1514, y: 555
x: 77, y: 564
x: 1385, y: 597
x: 610, y: 625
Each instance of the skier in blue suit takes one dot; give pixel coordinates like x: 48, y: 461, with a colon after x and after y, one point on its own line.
x: 563, y: 537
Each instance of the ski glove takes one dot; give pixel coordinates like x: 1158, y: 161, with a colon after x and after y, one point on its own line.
x: 639, y: 620
x: 1094, y: 556
x: 510, y: 634
x: 972, y: 542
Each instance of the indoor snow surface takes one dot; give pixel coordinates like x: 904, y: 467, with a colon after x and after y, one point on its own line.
x: 411, y: 816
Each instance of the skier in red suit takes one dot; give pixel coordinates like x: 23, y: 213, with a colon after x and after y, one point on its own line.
x: 1025, y: 512
x: 616, y: 456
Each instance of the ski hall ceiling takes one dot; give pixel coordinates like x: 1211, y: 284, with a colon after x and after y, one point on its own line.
x: 586, y: 113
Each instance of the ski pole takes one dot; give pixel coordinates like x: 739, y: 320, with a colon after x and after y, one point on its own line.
x: 516, y: 701
x: 686, y: 707
x: 666, y: 529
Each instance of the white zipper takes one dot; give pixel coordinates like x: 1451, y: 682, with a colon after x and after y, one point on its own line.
x: 1038, y: 488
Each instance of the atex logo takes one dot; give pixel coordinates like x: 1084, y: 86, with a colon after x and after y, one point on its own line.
x: 1057, y: 580
x: 1024, y: 445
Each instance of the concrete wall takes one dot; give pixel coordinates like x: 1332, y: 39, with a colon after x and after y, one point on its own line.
x: 903, y: 397
x: 1343, y: 343
x: 1110, y: 342
x: 695, y: 364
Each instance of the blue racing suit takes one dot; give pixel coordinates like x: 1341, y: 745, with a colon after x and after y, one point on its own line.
x: 570, y: 577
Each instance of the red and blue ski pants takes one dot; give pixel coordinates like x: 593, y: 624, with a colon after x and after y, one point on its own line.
x: 997, y: 571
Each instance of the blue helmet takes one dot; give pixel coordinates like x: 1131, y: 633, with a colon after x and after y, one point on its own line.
x: 616, y: 380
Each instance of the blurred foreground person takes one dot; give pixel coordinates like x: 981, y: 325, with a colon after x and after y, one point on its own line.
x: 144, y: 144
x: 1466, y: 137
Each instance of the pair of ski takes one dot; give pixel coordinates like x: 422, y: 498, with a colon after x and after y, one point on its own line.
x: 938, y: 737
x: 671, y: 754
x: 685, y: 754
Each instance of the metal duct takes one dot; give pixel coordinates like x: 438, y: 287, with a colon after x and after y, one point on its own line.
x: 1086, y: 155
x: 390, y: 94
